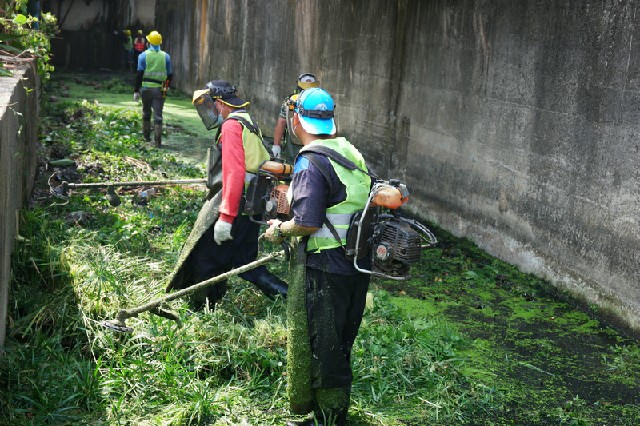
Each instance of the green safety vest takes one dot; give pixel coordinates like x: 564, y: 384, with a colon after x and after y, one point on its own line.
x: 254, y: 151
x: 357, y: 185
x: 156, y: 69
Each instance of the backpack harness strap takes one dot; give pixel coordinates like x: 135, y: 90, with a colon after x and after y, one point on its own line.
x: 253, y: 128
x: 341, y: 160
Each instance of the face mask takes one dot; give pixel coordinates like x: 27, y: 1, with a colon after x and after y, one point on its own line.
x: 218, y: 121
x: 297, y: 140
x: 217, y: 118
x: 292, y: 129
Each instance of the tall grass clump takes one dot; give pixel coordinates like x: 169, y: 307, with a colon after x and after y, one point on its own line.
x: 78, y: 261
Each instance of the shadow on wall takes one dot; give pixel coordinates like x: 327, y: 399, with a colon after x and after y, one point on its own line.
x: 86, y: 50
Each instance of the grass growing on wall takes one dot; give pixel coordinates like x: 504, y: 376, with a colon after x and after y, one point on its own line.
x: 469, y: 340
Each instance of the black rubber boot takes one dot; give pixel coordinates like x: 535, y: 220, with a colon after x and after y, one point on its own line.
x: 146, y: 130
x: 157, y: 130
x: 271, y: 285
x: 333, y: 405
x: 333, y: 418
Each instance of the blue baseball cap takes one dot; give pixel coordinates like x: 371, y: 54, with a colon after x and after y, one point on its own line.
x: 315, y: 110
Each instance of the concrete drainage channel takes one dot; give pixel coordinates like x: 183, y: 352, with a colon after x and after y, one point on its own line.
x: 542, y: 354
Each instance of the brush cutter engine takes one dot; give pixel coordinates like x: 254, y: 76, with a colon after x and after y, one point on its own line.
x: 391, y: 242
x: 266, y: 194
x: 395, y: 246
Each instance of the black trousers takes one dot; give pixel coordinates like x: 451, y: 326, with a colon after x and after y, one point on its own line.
x: 211, y: 259
x: 335, y: 305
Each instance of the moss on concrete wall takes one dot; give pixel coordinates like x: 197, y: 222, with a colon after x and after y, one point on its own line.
x: 513, y: 123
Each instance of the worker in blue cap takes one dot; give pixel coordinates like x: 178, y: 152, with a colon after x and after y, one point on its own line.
x: 331, y: 293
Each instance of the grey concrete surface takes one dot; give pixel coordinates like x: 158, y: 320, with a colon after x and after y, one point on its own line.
x: 513, y: 123
x: 18, y: 145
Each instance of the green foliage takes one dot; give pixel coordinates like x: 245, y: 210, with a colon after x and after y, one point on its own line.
x: 477, y: 341
x: 535, y: 354
x: 222, y: 367
x: 18, y: 38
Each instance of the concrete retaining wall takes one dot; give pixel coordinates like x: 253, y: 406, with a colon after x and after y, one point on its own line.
x: 86, y: 40
x: 18, y: 143
x: 513, y: 123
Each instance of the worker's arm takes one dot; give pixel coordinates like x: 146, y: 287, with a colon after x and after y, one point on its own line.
x: 278, y: 230
x: 278, y: 132
x: 142, y: 65
x: 169, y: 68
x: 233, y: 170
x: 138, y: 81
x: 310, y: 198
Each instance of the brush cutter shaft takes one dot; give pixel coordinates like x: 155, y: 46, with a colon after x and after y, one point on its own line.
x: 123, y: 314
x: 135, y: 183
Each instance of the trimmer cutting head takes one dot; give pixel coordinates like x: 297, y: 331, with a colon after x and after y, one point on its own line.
x: 116, y: 325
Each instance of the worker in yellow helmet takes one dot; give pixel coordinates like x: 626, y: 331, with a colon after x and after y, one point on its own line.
x: 139, y: 45
x: 127, y: 50
x: 283, y: 146
x: 152, y: 82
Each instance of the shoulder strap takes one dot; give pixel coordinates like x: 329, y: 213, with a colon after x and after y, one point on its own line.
x: 324, y: 170
x: 246, y: 123
x: 253, y: 128
x: 337, y: 157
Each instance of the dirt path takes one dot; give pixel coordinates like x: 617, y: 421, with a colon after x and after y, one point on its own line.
x: 186, y: 137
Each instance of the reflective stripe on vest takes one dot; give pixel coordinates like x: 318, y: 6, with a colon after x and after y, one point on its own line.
x: 156, y: 68
x: 357, y: 186
x: 341, y: 224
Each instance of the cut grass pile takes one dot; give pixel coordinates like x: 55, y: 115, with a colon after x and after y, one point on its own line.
x: 469, y: 340
x: 78, y: 262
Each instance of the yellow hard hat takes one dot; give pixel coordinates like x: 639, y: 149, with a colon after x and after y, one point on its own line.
x: 307, y: 81
x: 127, y: 32
x: 154, y: 38
x: 139, y: 31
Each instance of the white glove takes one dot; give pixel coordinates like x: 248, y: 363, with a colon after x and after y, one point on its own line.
x: 222, y: 231
x: 136, y: 97
x: 276, y: 150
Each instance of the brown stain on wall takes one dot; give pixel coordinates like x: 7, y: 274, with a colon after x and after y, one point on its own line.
x: 204, y: 27
x: 463, y: 100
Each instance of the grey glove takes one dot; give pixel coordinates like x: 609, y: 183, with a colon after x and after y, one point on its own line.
x: 136, y: 97
x: 222, y: 231
x: 277, y: 150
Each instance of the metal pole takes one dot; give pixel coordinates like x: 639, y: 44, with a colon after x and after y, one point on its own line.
x: 118, y: 323
x: 134, y: 183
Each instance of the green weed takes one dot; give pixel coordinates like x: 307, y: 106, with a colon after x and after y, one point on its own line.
x: 469, y: 340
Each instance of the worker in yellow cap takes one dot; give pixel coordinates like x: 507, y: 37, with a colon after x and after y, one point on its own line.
x: 152, y: 83
x: 283, y: 145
